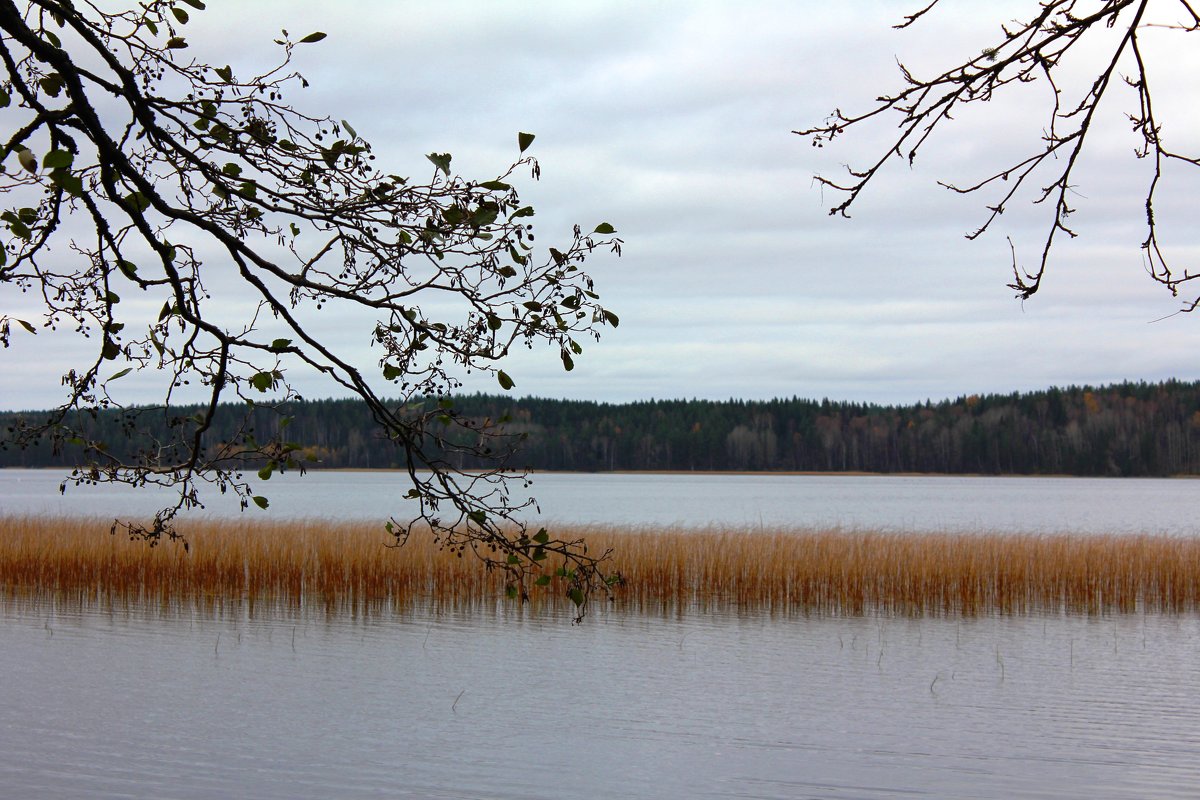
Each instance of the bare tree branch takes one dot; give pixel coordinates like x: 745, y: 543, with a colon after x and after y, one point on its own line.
x: 1030, y: 52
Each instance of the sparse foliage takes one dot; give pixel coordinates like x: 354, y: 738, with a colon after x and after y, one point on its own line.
x: 138, y: 177
x: 1034, y: 51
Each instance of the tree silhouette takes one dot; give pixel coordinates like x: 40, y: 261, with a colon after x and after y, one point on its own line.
x: 133, y: 169
x: 1034, y: 51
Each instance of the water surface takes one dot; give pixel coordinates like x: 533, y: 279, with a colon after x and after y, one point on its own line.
x: 496, y: 703
x: 483, y: 706
x: 894, y: 503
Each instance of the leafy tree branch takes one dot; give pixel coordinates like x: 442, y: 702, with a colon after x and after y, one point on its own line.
x: 132, y: 168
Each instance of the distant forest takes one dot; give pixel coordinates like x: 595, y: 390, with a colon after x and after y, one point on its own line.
x: 1129, y: 429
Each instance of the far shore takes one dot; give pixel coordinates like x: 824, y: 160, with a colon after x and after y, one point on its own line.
x: 718, y: 472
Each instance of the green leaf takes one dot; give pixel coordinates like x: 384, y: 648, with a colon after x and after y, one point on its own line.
x: 128, y: 268
x: 524, y: 140
x: 27, y: 159
x: 441, y: 161
x: 196, y: 4
x: 506, y: 272
x: 610, y: 318
x: 494, y: 323
x: 260, y: 501
x: 391, y: 372
x: 543, y: 580
x: 280, y: 344
x: 568, y: 362
x: 484, y: 215
x: 349, y: 130
x: 513, y: 560
x: 315, y: 36
x: 495, y: 186
x: 166, y: 311
x: 110, y: 350
x: 120, y: 374
x: 180, y: 15
x: 231, y: 169
x: 58, y: 159
x: 262, y: 381
x: 137, y: 201
x: 506, y: 382
x: 265, y: 472
x: 604, y: 227
x: 510, y: 591
x: 28, y: 327
x: 5, y: 98
x: 176, y: 43
x: 576, y: 596
x: 52, y: 84
x: 542, y: 536
x: 71, y: 184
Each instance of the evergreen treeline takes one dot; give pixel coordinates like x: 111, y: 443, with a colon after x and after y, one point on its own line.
x: 1130, y: 429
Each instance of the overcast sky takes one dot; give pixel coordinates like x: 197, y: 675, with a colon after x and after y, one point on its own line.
x: 673, y: 121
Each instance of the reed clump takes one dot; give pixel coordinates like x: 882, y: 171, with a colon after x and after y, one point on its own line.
x: 348, y: 567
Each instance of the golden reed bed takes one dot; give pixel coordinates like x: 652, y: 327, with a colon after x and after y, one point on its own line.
x: 348, y: 568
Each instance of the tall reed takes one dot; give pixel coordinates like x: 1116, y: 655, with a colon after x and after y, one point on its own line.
x: 348, y: 568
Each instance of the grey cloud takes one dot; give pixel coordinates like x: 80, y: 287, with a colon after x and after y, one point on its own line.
x: 673, y: 120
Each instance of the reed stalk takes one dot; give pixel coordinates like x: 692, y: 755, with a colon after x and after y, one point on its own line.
x: 348, y: 568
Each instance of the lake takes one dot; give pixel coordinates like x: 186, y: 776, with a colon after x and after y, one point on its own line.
x: 920, y: 503
x: 502, y: 702
x: 488, y: 705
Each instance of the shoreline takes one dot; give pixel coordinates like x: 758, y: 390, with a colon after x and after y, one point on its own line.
x: 720, y: 473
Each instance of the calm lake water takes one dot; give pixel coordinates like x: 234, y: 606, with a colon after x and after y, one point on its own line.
x: 1083, y: 505
x: 132, y: 705
x: 500, y: 703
